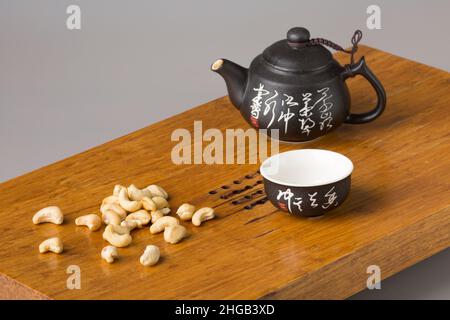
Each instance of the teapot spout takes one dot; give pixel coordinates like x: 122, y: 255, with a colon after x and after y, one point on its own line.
x: 235, y: 78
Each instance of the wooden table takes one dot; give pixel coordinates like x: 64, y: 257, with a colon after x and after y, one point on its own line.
x: 397, y: 214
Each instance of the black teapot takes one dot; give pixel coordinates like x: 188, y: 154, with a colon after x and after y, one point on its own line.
x: 297, y: 87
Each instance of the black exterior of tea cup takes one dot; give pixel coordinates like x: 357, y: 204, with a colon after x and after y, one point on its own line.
x: 308, y: 201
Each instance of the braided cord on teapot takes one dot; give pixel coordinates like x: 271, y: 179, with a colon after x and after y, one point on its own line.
x: 356, y: 38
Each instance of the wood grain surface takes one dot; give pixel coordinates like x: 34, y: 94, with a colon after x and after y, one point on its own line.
x: 397, y: 214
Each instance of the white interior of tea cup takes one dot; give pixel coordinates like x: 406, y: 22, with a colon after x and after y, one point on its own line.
x: 306, y: 167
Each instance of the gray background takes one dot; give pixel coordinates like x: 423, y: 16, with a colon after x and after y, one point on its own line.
x: 137, y: 62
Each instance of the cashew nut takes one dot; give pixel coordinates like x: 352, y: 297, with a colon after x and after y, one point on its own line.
x: 156, y: 215
x: 160, y: 202
x: 159, y: 214
x: 115, y: 208
x: 51, y: 245
x: 117, y: 189
x: 92, y: 221
x: 201, y: 215
x: 158, y: 191
x: 162, y: 223
x: 174, y: 234
x: 150, y: 256
x: 109, y: 253
x: 137, y: 194
x: 111, y: 199
x: 142, y: 216
x: 148, y: 204
x: 110, y: 217
x: 185, y: 211
x: 118, y: 236
x: 131, y: 224
x: 49, y: 214
x: 126, y: 203
x: 165, y: 211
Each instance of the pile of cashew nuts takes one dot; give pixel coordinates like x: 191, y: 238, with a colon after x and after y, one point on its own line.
x: 125, y: 210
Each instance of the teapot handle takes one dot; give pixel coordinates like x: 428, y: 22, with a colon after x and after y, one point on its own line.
x: 361, y: 68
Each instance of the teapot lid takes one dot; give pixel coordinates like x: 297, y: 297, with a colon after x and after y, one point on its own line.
x: 296, y: 53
